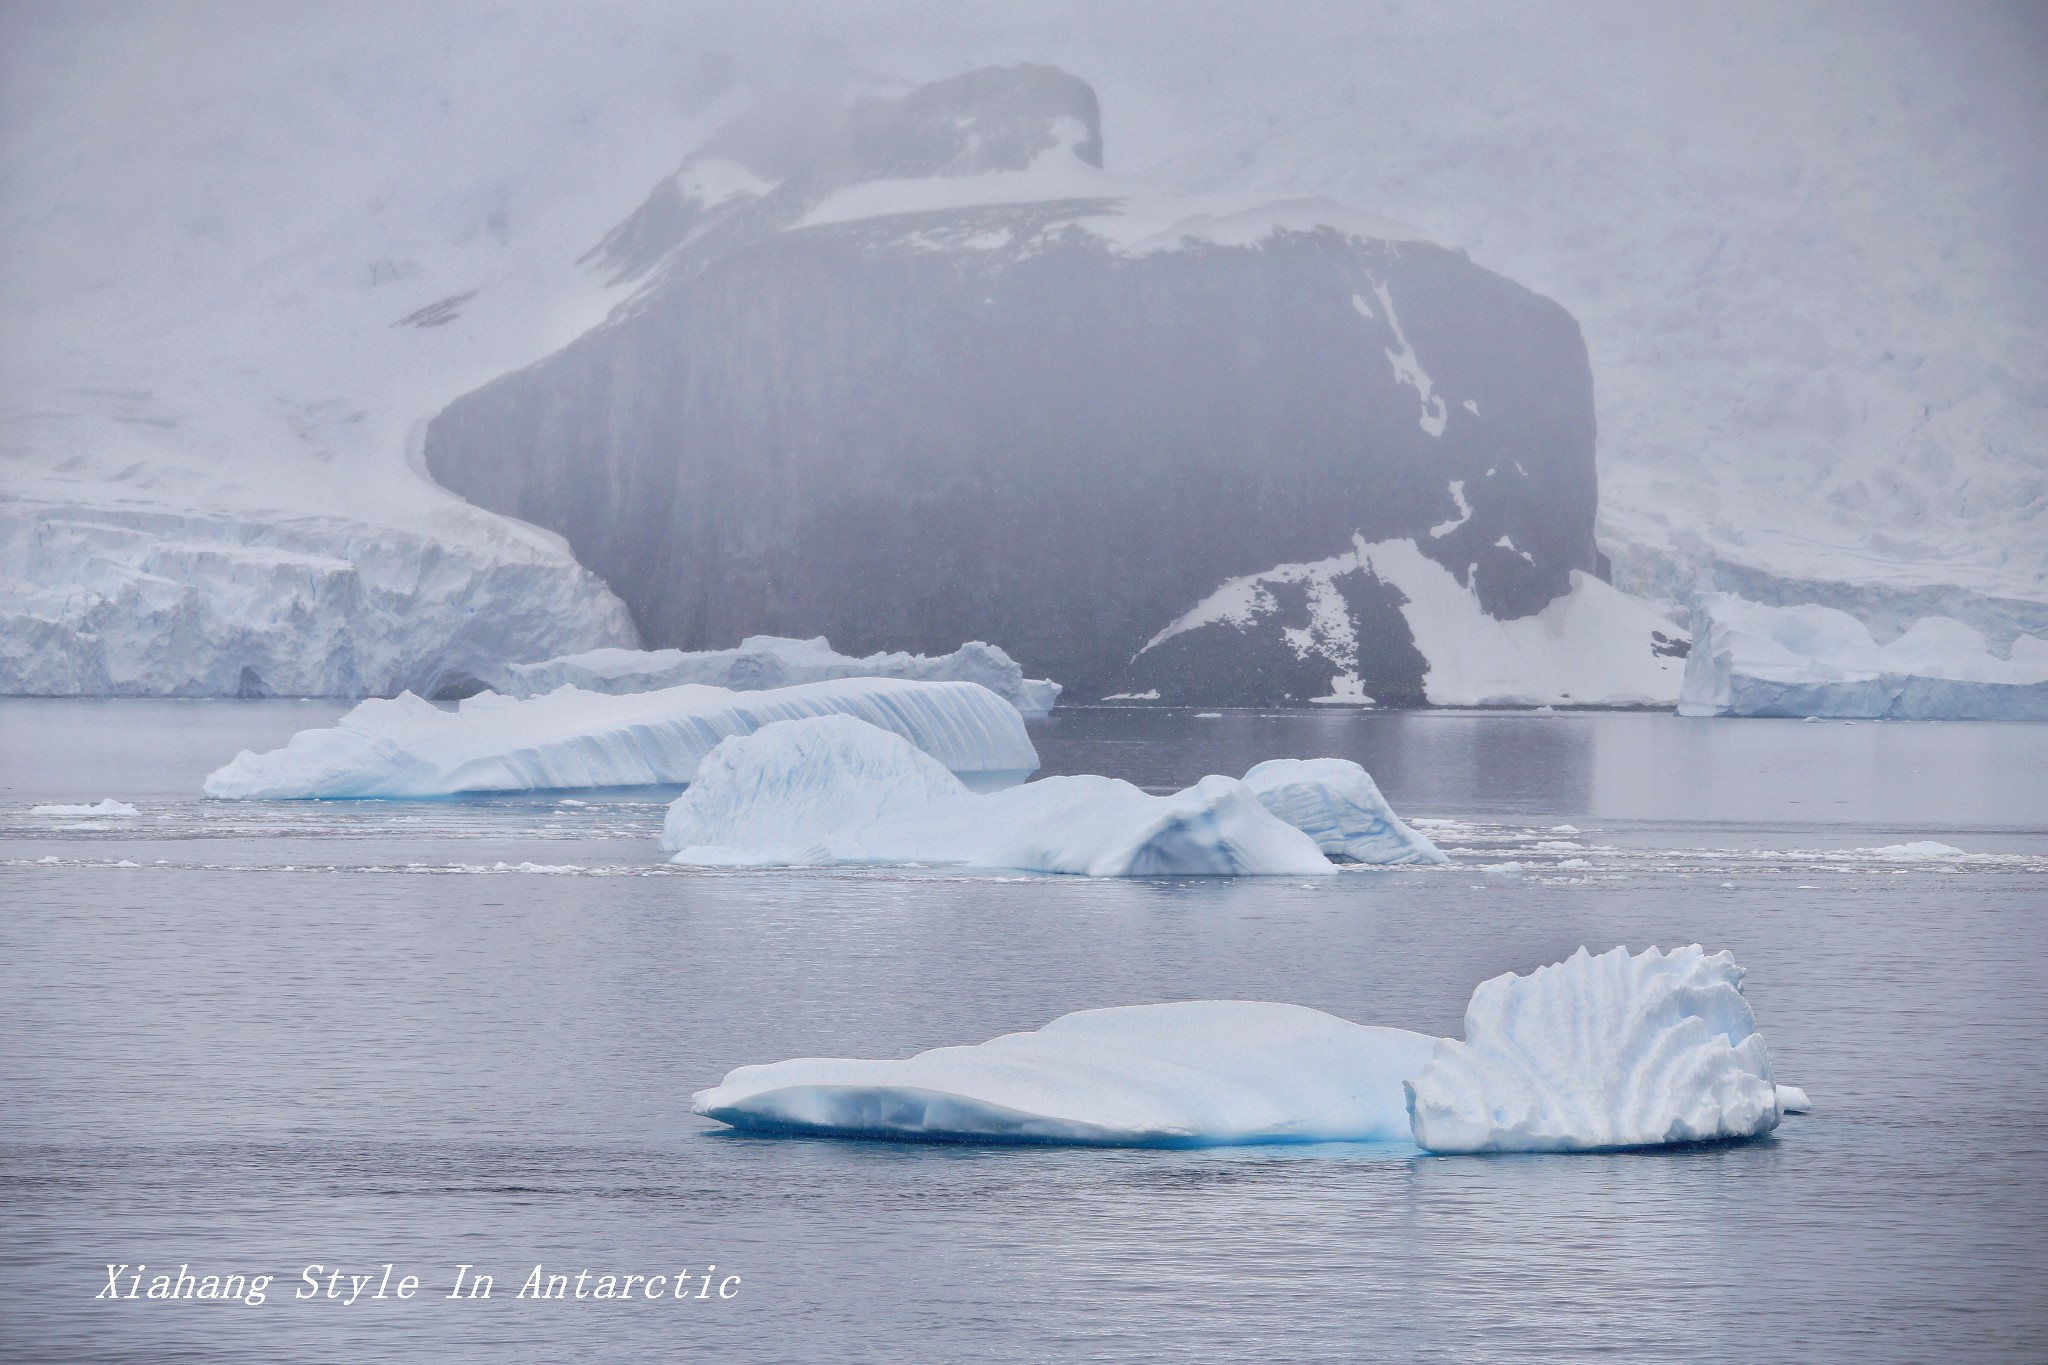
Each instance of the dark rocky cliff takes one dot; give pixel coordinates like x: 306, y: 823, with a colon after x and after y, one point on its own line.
x: 989, y: 423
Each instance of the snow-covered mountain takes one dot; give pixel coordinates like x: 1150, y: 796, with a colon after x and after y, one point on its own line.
x: 1802, y: 241
x: 916, y: 367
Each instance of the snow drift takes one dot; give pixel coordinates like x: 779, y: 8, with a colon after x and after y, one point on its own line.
x: 1613, y: 1051
x: 1600, y: 1052
x: 571, y: 738
x: 833, y: 790
x: 1193, y: 1073
x: 1756, y: 660
x: 765, y: 661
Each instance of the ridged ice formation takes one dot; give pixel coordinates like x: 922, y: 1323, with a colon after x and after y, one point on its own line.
x: 1336, y: 803
x: 1600, y: 1052
x: 570, y: 738
x: 832, y: 790
x: 764, y: 661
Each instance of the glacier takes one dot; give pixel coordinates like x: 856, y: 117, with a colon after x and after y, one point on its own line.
x: 571, y: 738
x: 137, y: 602
x: 832, y: 790
x: 1589, y: 1054
x: 1600, y: 1052
x: 1189, y: 1073
x: 764, y: 661
x: 1750, y: 659
x: 1335, y: 802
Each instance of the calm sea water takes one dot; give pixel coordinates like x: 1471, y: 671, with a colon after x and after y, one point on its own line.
x: 250, y: 1038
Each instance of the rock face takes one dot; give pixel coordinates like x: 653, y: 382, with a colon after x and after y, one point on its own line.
x: 913, y: 374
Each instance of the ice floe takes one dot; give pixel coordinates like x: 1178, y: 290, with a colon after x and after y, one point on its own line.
x: 765, y: 661
x: 1919, y: 848
x: 831, y: 790
x: 106, y: 807
x: 1600, y: 1052
x: 572, y: 738
x: 1749, y: 659
x: 1192, y: 1073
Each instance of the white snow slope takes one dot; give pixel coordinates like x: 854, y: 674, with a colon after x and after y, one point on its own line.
x: 773, y: 661
x: 1754, y: 660
x: 570, y: 738
x: 1593, y: 646
x: 833, y: 790
x: 1613, y: 1051
x: 249, y: 249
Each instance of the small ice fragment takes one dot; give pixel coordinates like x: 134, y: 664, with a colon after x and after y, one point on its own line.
x: 1923, y: 848
x: 1208, y: 715
x: 1564, y: 829
x: 1793, y: 1100
x: 107, y: 807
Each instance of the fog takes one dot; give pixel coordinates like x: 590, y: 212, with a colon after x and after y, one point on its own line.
x: 1801, y: 241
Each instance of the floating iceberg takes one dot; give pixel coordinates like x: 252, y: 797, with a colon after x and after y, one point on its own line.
x: 833, y: 790
x: 107, y: 807
x: 1600, y: 1052
x: 1336, y: 803
x: 1754, y: 660
x: 1919, y: 848
x: 572, y: 738
x: 1193, y: 1073
x: 765, y: 661
x: 1593, y: 1053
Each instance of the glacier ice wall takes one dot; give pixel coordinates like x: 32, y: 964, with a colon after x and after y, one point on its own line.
x: 107, y: 601
x: 1750, y: 659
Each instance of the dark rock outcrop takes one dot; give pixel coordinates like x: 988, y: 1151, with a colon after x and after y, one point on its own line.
x: 992, y: 423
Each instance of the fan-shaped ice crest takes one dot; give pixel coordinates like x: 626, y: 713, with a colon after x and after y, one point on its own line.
x: 1600, y: 1052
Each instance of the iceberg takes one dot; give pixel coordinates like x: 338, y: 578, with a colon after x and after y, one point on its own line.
x: 765, y: 661
x: 833, y: 790
x: 1590, y: 1054
x: 1749, y: 659
x: 1335, y: 802
x: 1600, y: 1052
x: 572, y: 738
x: 1187, y: 1074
